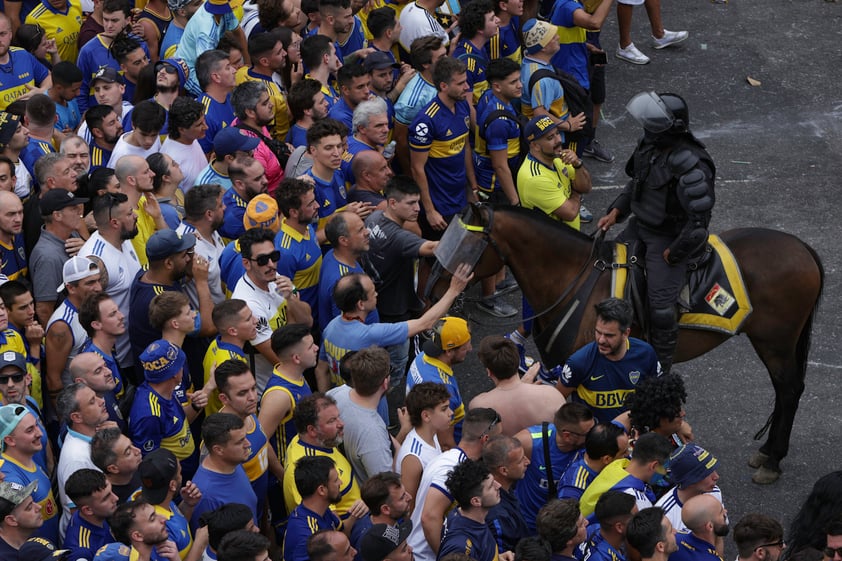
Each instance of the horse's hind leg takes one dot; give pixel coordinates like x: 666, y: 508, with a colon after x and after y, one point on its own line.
x: 788, y: 380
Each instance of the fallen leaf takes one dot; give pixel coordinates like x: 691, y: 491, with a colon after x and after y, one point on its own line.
x: 752, y: 81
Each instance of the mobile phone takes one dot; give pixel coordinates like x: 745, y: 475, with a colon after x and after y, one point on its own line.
x: 599, y: 58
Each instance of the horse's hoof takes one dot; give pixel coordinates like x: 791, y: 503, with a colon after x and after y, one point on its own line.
x: 765, y: 476
x: 757, y: 460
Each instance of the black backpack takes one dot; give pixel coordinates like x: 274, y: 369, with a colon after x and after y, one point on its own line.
x: 278, y: 148
x: 578, y: 100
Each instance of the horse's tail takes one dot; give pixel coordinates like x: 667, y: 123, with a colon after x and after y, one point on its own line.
x: 802, y: 346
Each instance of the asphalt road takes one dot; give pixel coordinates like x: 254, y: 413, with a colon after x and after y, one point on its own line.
x: 777, y: 150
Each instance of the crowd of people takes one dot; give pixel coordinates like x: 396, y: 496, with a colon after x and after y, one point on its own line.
x: 211, y: 218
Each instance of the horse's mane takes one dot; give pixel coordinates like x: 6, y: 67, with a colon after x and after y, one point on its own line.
x: 542, y: 223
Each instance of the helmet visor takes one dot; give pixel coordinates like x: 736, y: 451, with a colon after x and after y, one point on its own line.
x: 650, y: 112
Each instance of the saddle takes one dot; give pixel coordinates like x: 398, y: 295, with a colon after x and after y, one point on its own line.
x: 714, y: 298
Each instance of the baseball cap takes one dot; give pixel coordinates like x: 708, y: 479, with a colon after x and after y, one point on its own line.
x: 379, y: 60
x: 161, y: 361
x: 164, y: 243
x: 156, y: 471
x: 382, y: 539
x: 10, y: 416
x: 538, y: 127
x: 11, y: 358
x: 75, y: 269
x: 40, y: 549
x: 448, y: 333
x: 16, y: 493
x: 537, y: 35
x: 113, y: 552
x: 57, y: 199
x: 218, y: 7
x: 8, y: 126
x: 230, y: 139
x: 262, y: 212
x: 107, y: 74
x: 690, y: 464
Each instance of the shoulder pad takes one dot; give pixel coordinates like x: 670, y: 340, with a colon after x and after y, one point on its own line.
x: 682, y: 161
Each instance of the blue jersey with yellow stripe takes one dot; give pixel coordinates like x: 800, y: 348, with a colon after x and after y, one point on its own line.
x: 156, y: 422
x: 443, y: 134
x: 13, y: 259
x: 83, y: 539
x: 355, y: 40
x: 217, y: 117
x: 33, y: 151
x: 693, y: 548
x: 331, y: 195
x: 477, y: 61
x: 301, y: 261
x: 604, y: 384
x: 296, y: 390
x: 22, y: 73
x: 218, y: 352
x: 467, y: 536
x: 501, y: 134
x: 429, y: 369
x: 99, y: 156
x: 178, y: 527
x: 507, y: 42
x: 257, y: 464
x: 575, y: 480
x: 94, y: 55
x: 232, y: 226
x: 573, y: 55
x: 16, y: 472
x: 302, y: 524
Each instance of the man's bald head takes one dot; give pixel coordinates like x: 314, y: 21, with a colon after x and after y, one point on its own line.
x: 91, y: 369
x: 699, y: 511
x: 128, y: 166
x: 367, y: 162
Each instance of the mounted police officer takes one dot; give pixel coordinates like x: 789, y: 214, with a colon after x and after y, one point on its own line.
x: 671, y: 196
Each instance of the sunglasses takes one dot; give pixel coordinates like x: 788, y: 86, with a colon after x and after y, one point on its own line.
x: 166, y: 67
x: 15, y: 378
x: 263, y: 260
x: 490, y: 428
x: 830, y: 552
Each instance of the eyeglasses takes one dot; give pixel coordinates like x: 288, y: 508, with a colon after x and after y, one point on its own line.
x: 490, y: 428
x: 832, y: 552
x: 574, y: 433
x: 263, y: 260
x: 15, y: 378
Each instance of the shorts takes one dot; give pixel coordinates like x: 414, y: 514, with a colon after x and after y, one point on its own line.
x: 597, y: 76
x: 631, y: 2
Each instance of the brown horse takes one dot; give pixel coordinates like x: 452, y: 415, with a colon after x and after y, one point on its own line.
x: 783, y: 276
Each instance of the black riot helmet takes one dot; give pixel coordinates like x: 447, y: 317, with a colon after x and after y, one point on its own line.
x: 664, y: 113
x: 676, y: 104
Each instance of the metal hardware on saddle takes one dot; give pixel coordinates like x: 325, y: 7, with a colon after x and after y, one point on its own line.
x: 460, y: 245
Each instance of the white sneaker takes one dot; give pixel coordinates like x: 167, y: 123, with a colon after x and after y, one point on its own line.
x: 631, y: 54
x: 670, y: 38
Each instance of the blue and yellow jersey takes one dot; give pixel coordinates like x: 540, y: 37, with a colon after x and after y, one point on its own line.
x: 615, y: 477
x: 501, y: 134
x: 507, y: 42
x: 331, y: 271
x: 296, y: 390
x: 231, y: 268
x: 219, y: 351
x: 443, y: 134
x: 598, y: 549
x: 342, y: 113
x: 331, y: 95
x: 63, y: 26
x: 11, y: 340
x: 546, y: 188
x: 155, y: 422
x: 169, y: 44
x: 362, y: 15
x: 331, y: 195
x: 178, y: 528
x: 13, y: 260
x: 257, y: 464
x: 477, y: 61
x: 546, y: 93
x: 83, y: 539
x: 303, y: 523
x: 355, y: 40
x: 33, y: 151
x: 573, y: 55
x: 23, y: 73
x: 429, y: 369
x: 301, y: 261
x: 99, y: 158
x: 281, y: 125
x: 350, y: 489
x: 145, y: 229
x: 16, y: 472
x: 575, y: 480
x: 235, y: 208
x: 162, y: 22
x: 603, y: 384
x: 217, y: 117
x: 469, y: 537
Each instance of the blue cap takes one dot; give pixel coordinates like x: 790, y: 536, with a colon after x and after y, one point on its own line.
x: 164, y: 243
x: 539, y: 127
x: 691, y: 464
x: 113, y: 552
x: 108, y: 74
x: 230, y: 139
x: 162, y: 361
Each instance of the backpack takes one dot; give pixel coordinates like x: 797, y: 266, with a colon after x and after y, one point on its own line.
x: 278, y: 148
x: 578, y: 100
x: 521, y: 121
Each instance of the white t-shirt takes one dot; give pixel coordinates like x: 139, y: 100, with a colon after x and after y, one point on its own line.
x: 23, y: 180
x: 122, y: 267
x: 212, y: 251
x: 86, y: 134
x: 123, y: 148
x: 414, y: 445
x: 672, y: 505
x: 67, y: 313
x: 75, y: 455
x: 191, y: 158
x: 417, y: 22
x: 270, y: 309
x: 435, y: 475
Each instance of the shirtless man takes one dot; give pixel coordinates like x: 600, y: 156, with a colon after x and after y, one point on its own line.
x: 519, y: 401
